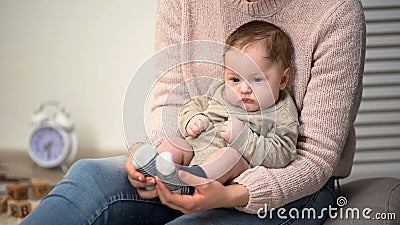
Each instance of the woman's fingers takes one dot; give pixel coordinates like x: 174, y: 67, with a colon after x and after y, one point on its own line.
x: 183, y: 203
x: 138, y: 180
x: 203, y: 198
x: 133, y: 174
x: 148, y: 193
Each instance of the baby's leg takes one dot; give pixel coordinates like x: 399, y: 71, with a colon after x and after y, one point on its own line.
x: 167, y: 171
x: 144, y: 157
x: 181, y: 151
x: 225, y: 165
x: 222, y: 165
x: 174, y: 151
x: 162, y: 162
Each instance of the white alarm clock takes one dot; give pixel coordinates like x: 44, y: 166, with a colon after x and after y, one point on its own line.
x: 53, y: 142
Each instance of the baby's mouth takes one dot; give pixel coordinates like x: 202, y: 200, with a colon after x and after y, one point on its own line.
x: 247, y: 100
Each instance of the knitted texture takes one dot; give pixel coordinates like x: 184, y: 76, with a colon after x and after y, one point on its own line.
x: 268, y: 137
x: 328, y: 38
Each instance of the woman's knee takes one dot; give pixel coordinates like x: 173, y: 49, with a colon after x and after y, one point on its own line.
x: 83, y: 167
x: 82, y: 164
x: 97, y: 170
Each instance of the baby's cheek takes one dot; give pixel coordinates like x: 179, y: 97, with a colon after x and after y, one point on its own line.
x: 231, y: 96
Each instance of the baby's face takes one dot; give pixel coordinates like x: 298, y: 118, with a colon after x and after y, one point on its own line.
x: 252, y: 81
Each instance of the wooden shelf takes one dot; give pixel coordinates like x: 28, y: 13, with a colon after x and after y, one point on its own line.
x: 17, y: 164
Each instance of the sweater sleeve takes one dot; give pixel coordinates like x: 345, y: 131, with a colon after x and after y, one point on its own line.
x: 169, y: 93
x: 198, y: 105
x: 276, y: 149
x: 194, y: 107
x: 327, y: 114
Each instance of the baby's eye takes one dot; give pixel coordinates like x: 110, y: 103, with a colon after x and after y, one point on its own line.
x: 235, y: 79
x: 257, y: 80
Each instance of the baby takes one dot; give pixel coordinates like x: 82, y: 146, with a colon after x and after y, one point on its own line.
x: 246, y: 119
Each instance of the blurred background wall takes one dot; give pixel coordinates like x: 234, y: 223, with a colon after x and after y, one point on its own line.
x: 81, y: 53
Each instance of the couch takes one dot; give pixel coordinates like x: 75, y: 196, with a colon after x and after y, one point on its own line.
x: 368, y: 200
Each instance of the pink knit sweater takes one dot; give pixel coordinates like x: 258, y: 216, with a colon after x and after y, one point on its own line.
x: 328, y: 37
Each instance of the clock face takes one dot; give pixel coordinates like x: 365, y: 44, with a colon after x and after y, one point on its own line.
x: 47, y: 146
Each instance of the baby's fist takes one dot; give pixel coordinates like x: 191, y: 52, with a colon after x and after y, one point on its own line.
x: 231, y: 129
x: 198, y: 124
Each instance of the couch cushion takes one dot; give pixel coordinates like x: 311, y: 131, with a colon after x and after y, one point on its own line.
x: 376, y: 197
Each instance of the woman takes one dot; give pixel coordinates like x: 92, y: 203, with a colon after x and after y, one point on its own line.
x: 328, y: 39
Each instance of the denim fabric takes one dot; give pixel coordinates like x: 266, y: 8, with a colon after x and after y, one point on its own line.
x: 318, y: 202
x: 96, y: 191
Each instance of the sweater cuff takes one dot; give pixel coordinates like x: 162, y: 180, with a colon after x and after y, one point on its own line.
x: 255, y: 184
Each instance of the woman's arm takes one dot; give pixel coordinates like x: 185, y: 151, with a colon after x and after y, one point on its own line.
x: 170, y: 92
x: 327, y: 114
x: 167, y: 98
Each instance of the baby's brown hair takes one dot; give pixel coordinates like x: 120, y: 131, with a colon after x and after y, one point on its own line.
x: 275, y: 40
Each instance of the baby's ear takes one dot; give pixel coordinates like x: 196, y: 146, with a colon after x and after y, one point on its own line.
x: 284, y: 79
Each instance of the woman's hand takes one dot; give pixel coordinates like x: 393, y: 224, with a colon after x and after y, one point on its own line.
x: 138, y: 180
x: 208, y: 195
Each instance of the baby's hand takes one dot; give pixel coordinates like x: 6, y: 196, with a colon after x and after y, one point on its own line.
x: 198, y: 124
x: 231, y: 129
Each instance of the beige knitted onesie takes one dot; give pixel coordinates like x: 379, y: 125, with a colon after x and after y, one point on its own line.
x: 268, y: 137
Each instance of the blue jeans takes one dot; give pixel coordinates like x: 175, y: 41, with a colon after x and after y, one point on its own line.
x: 97, y: 191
